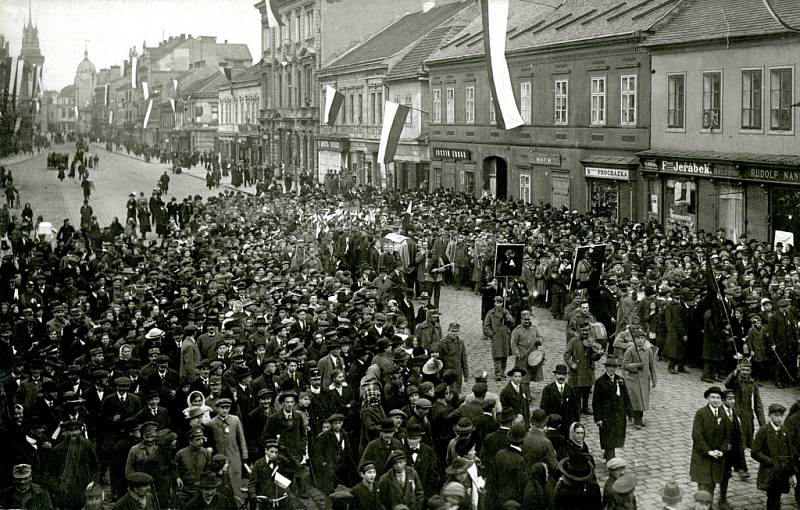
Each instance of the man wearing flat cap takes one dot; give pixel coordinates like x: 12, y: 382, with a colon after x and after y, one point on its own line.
x: 711, y: 438
x: 24, y: 494
x: 227, y: 437
x: 140, y: 494
x: 453, y: 355
x: 772, y: 450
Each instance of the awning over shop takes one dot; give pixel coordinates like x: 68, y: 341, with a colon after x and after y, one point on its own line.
x: 748, y: 158
x: 611, y: 161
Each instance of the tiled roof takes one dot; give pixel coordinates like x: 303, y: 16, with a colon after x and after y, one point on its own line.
x: 233, y: 52
x: 532, y: 25
x: 399, y: 35
x: 195, y: 79
x: 251, y: 73
x: 744, y: 157
x: 691, y: 20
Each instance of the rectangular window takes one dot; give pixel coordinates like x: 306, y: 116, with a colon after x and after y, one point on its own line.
x: 780, y: 99
x: 350, y: 113
x: 598, y: 101
x: 712, y: 100
x: 469, y: 105
x: 437, y: 106
x: 360, y: 108
x: 752, y: 80
x: 379, y: 108
x: 214, y: 112
x: 628, y: 100
x: 525, y: 188
x: 492, y: 111
x: 451, y: 106
x: 309, y: 23
x: 298, y: 26
x: 675, y: 101
x: 525, y: 101
x: 410, y: 116
x: 372, y: 107
x: 561, y: 107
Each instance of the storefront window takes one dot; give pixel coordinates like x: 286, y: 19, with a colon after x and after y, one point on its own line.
x: 786, y: 210
x: 604, y: 199
x: 731, y: 211
x: 680, y: 200
x: 654, y: 198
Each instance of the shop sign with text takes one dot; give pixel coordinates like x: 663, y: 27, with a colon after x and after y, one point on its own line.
x: 773, y: 174
x: 682, y: 167
x: 545, y: 159
x: 621, y: 174
x: 442, y: 153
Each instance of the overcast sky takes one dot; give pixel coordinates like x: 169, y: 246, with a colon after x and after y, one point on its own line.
x: 113, y: 26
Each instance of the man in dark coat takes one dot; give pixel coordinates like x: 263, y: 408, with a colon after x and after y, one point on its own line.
x: 509, y: 467
x: 365, y: 492
x: 332, y: 458
x: 560, y: 398
x: 422, y: 458
x: 514, y: 395
x: 23, y: 493
x: 116, y: 408
x: 734, y: 459
x: 711, y: 440
x: 73, y: 462
x: 140, y: 494
x: 771, y: 450
x: 612, y: 407
x: 492, y: 444
x: 288, y: 425
x: 378, y: 449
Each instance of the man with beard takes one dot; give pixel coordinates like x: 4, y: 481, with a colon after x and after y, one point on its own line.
x: 73, y: 462
x: 23, y: 493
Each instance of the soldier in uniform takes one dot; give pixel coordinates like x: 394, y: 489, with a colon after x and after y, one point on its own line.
x: 496, y: 329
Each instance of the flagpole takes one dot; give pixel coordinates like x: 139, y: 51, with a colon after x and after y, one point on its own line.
x: 721, y: 298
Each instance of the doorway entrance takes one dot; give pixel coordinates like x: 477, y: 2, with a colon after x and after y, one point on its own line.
x: 495, y: 177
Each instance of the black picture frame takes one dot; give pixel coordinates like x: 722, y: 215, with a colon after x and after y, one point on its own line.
x: 598, y: 258
x: 508, y: 260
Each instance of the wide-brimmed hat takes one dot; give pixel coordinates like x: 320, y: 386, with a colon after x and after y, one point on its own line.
x: 432, y: 366
x: 560, y: 369
x: 671, y: 493
x: 459, y: 465
x: 514, y: 370
x: 577, y: 468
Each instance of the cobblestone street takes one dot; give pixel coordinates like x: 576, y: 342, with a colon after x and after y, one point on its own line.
x: 657, y: 454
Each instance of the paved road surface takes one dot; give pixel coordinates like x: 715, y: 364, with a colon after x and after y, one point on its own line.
x: 657, y: 454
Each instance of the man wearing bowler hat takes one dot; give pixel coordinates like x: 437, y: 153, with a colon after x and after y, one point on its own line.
x: 209, y: 498
x: 515, y: 396
x: 559, y: 397
x: 378, y: 449
x: 711, y: 440
x: 612, y: 407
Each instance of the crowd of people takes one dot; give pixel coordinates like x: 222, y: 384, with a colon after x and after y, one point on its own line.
x: 273, y: 349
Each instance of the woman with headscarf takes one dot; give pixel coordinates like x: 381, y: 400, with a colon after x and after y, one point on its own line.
x: 576, y: 445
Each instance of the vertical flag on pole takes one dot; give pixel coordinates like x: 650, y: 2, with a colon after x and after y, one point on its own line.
x: 146, y: 90
x: 273, y: 17
x: 175, y: 86
x: 76, y: 111
x: 11, y: 68
x: 172, y: 104
x: 17, y: 77
x: 105, y: 96
x: 110, y: 116
x: 333, y: 101
x: 41, y: 82
x: 147, y: 114
x: 32, y: 81
x: 394, y: 119
x: 134, y: 70
x: 494, y: 14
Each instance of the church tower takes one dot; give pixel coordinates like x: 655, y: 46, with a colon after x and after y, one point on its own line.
x: 33, y: 60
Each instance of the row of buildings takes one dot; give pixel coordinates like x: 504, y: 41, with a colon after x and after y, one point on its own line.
x: 679, y: 111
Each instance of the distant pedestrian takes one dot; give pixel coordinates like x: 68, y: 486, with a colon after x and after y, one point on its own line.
x: 86, y: 185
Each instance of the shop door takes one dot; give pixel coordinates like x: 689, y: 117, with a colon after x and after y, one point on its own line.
x: 449, y: 178
x: 560, y: 193
x: 731, y: 211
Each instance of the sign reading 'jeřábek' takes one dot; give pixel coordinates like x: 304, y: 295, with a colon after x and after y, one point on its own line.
x: 682, y: 167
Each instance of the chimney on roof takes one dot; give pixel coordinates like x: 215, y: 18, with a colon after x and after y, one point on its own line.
x: 226, y: 41
x: 183, y: 36
x: 427, y: 5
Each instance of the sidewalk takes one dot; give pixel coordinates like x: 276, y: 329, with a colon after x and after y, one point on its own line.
x: 197, y: 172
x: 16, y: 158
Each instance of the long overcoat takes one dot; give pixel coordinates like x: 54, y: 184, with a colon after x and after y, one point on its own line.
x: 612, y: 409
x: 677, y: 319
x: 495, y: 328
x: 708, y: 433
x: 640, y: 373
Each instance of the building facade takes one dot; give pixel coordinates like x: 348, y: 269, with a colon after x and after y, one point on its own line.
x: 582, y: 85
x: 239, y: 105
x: 725, y: 149
x: 313, y: 34
x: 387, y: 66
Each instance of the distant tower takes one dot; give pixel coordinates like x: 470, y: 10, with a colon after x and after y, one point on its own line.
x: 32, y: 56
x: 85, y: 81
